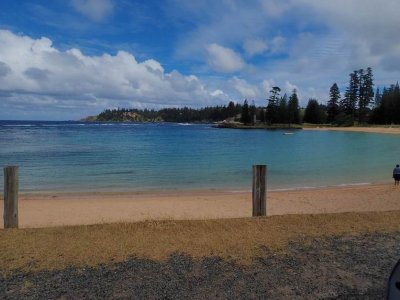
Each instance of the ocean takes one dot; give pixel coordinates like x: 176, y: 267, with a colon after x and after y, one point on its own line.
x: 76, y: 156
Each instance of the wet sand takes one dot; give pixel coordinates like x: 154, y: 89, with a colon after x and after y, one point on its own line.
x: 50, y: 209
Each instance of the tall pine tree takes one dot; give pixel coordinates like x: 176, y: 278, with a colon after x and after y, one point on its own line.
x: 365, y: 94
x: 293, y: 108
x: 253, y: 112
x: 246, y: 119
x: 283, y: 110
x: 378, y: 97
x: 349, y: 103
x: 333, y: 103
x: 272, y: 108
x: 314, y: 112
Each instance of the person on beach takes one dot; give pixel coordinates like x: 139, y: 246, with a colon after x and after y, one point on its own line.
x: 396, y: 175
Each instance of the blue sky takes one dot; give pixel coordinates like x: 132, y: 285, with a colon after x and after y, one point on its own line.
x: 66, y: 59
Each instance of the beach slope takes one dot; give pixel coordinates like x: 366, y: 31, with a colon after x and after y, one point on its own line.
x: 57, y: 209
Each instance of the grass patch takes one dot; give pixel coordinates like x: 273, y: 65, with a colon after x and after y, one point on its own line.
x: 238, y: 239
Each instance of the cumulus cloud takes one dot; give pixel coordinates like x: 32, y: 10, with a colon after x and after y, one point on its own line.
x: 33, y: 71
x: 96, y: 10
x: 246, y: 90
x: 224, y: 59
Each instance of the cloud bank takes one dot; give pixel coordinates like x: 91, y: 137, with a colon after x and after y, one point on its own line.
x: 33, y: 71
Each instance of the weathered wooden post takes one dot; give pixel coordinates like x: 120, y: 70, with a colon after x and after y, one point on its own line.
x: 259, y: 190
x: 10, y: 197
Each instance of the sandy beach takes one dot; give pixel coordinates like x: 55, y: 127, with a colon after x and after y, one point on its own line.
x: 385, y: 130
x: 50, y: 209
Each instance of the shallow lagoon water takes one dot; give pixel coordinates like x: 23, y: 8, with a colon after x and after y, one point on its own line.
x: 74, y: 156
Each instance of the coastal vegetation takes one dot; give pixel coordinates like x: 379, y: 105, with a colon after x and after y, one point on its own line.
x: 360, y: 105
x: 184, y: 114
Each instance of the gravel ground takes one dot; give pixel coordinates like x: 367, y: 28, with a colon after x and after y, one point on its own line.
x: 327, y: 268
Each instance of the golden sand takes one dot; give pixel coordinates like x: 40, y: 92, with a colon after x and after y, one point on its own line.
x: 43, y: 210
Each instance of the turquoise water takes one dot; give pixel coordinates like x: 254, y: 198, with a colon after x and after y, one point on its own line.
x: 73, y: 156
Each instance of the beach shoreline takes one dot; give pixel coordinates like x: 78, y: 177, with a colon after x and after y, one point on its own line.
x: 374, y: 129
x: 83, y: 208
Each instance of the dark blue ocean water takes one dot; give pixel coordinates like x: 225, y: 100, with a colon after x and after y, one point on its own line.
x: 74, y: 156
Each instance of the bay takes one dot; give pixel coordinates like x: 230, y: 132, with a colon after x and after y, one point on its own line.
x: 76, y: 156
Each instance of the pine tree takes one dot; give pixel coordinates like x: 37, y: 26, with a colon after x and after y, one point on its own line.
x: 273, y: 105
x: 245, y: 113
x: 378, y: 97
x: 349, y: 103
x: 293, y: 108
x: 283, y: 110
x: 365, y: 94
x: 388, y: 110
x: 369, y: 86
x: 261, y: 115
x: 396, y: 103
x: 231, y: 111
x: 333, y: 103
x: 253, y: 112
x: 312, y: 112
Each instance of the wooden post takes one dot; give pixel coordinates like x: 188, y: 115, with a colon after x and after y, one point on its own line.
x: 259, y: 190
x: 11, y: 197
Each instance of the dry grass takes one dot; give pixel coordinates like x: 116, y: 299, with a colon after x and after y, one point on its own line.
x: 239, y: 239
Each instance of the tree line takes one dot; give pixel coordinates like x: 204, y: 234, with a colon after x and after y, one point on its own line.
x: 355, y: 106
x: 279, y: 110
x: 357, y: 102
x: 359, y: 105
x: 181, y: 115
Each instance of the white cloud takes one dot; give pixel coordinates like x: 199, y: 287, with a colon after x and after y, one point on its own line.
x: 221, y: 95
x: 217, y: 93
x: 246, y: 90
x: 33, y: 73
x: 96, y: 10
x: 255, y: 46
x: 224, y: 59
x: 267, y: 86
x: 290, y: 87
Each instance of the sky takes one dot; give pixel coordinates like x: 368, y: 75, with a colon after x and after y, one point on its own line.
x: 67, y: 59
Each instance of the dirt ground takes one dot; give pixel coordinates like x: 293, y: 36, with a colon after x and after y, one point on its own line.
x: 345, y: 267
